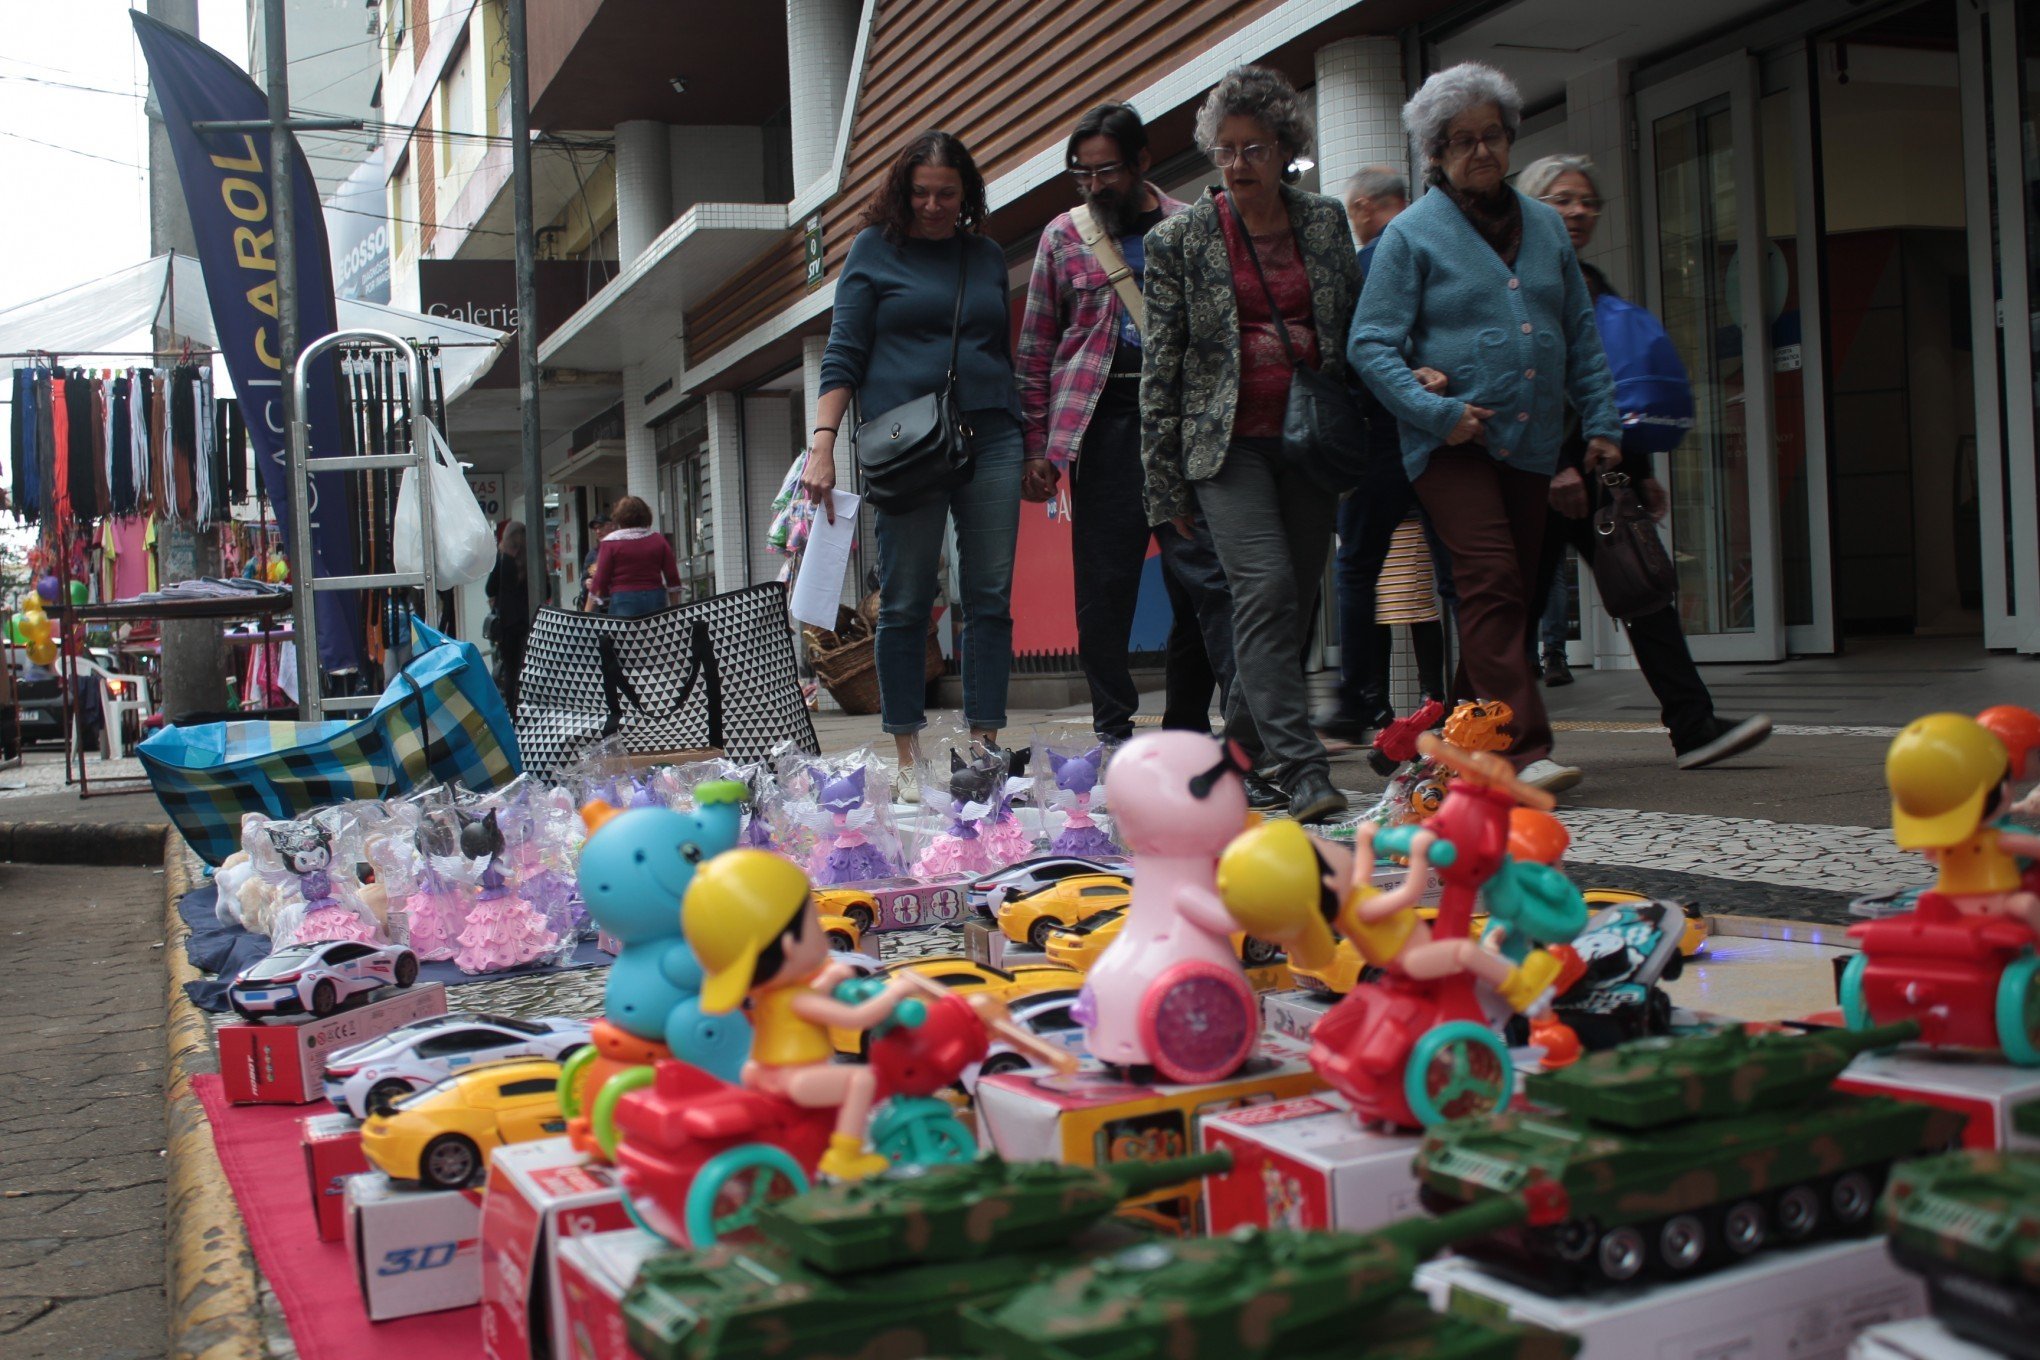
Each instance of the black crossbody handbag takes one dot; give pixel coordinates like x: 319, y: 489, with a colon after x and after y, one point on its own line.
x: 1324, y: 435
x: 920, y: 449
x: 1632, y: 570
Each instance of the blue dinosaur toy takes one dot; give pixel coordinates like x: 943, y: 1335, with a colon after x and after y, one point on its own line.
x: 635, y: 868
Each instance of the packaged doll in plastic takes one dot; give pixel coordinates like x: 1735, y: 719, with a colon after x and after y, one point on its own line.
x: 502, y: 930
x: 306, y: 849
x: 966, y: 802
x: 537, y: 863
x: 446, y: 886
x: 249, y: 875
x: 846, y: 803
x: 1074, y: 791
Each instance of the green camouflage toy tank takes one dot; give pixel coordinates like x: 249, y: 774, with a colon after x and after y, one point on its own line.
x: 1681, y: 1154
x: 1970, y: 1223
x: 878, y: 1269
x: 1254, y: 1293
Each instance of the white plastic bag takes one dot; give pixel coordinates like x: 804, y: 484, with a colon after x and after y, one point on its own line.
x: 461, y: 533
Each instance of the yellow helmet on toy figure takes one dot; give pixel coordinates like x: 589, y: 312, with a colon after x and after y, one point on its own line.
x: 739, y: 902
x: 1272, y: 881
x: 1942, y: 770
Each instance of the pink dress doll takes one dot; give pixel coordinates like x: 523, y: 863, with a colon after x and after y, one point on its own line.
x: 306, y: 849
x: 968, y: 799
x: 438, y: 908
x: 502, y: 930
x: 1076, y: 777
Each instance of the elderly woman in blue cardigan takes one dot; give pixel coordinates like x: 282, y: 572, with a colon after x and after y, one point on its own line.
x: 1481, y: 283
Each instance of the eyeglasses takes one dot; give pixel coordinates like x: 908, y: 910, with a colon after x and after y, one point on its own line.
x: 1254, y: 153
x: 1232, y: 760
x: 1567, y: 202
x: 1085, y: 174
x: 1496, y: 140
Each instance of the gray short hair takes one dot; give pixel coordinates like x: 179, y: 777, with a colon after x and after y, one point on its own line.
x: 1377, y: 182
x: 1538, y: 176
x: 1263, y: 95
x: 1451, y: 92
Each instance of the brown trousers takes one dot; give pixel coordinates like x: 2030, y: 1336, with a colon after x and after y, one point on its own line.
x: 1491, y: 519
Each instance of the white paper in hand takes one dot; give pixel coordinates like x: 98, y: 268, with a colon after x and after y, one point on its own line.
x: 818, y: 588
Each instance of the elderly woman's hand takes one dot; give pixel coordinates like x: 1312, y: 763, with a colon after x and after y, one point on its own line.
x: 1603, y: 455
x: 1472, y: 424
x: 1430, y: 379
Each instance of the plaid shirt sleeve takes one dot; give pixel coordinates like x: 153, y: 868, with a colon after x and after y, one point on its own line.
x: 1067, y: 337
x: 1033, y: 360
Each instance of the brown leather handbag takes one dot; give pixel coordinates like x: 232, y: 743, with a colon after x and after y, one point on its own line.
x: 1632, y: 570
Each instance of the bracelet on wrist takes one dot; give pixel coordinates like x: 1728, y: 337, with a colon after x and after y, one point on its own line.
x: 824, y: 429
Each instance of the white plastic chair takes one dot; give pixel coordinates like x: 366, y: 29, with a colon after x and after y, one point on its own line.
x: 119, y: 695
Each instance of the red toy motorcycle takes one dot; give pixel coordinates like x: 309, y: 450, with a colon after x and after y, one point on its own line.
x: 1968, y: 979
x: 698, y: 1157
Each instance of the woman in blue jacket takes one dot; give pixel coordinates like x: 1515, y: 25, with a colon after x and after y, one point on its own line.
x: 1481, y: 283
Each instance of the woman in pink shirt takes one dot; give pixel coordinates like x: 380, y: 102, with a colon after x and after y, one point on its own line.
x: 634, y: 568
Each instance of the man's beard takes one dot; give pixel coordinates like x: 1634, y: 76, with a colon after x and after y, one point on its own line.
x: 1116, y: 212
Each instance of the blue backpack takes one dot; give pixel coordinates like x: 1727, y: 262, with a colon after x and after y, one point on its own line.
x: 1651, y: 388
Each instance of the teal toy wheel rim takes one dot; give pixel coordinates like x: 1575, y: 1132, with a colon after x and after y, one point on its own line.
x: 733, y: 1186
x: 1855, y: 1010
x: 921, y: 1131
x: 2018, y: 1011
x: 1456, y: 1071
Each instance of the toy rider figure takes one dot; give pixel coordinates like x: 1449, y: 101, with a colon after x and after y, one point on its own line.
x: 1951, y: 782
x: 752, y: 923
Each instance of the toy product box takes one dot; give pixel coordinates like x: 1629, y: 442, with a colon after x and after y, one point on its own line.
x: 595, y: 1272
x: 900, y: 903
x: 540, y: 1195
x: 1808, y: 1303
x: 1093, y: 1117
x: 1304, y: 1164
x: 332, y: 1144
x: 285, y: 1064
x: 985, y: 943
x: 414, y: 1251
x: 1990, y: 1091
x: 1295, y: 1011
x: 1915, y: 1339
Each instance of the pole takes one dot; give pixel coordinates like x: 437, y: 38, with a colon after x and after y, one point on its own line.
x: 282, y: 196
x: 527, y: 309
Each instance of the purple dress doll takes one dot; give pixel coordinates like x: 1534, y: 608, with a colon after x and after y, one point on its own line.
x: 438, y: 909
x: 974, y: 791
x: 1076, y: 777
x: 502, y: 930
x: 848, y: 857
x: 552, y: 894
x: 306, y: 849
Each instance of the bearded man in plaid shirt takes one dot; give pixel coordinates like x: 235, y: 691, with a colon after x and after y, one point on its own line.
x: 1079, y: 367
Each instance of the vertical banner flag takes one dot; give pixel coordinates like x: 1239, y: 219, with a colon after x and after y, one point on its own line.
x: 226, y: 187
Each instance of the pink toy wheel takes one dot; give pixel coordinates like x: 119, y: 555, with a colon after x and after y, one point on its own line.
x: 1198, y: 1022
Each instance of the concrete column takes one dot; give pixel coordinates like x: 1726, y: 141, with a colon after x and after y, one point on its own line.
x: 725, y: 478
x: 1359, y: 109
x: 821, y: 38
x: 1598, y: 112
x: 640, y: 453
x: 644, y: 187
x: 770, y: 445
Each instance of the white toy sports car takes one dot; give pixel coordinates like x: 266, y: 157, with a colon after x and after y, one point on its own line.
x: 314, y: 979
x: 370, y: 1077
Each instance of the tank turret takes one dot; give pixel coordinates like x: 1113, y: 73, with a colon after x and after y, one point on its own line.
x: 1248, y: 1294
x: 1679, y: 1155
x: 882, y: 1269
x: 1654, y: 1082
x: 1970, y: 1223
x: 962, y: 1211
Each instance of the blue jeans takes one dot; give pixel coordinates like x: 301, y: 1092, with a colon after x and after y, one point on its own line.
x: 910, y: 543
x: 1551, y: 624
x: 635, y: 604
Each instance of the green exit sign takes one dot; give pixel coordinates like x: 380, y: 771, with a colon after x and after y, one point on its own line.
x: 813, y: 248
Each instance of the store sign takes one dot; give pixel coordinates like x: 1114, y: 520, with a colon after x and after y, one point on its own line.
x: 813, y: 247
x: 488, y: 489
x: 358, y: 235
x: 484, y: 293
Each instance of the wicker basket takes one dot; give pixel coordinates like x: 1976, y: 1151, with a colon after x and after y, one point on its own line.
x: 846, y: 661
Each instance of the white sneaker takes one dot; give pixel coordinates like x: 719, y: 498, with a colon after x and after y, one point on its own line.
x: 1549, y: 775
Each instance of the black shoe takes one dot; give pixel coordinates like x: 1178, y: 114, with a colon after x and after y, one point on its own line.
x: 1725, y: 739
x: 1314, y: 799
x: 1265, y: 795
x: 1337, y: 725
x: 1556, y: 672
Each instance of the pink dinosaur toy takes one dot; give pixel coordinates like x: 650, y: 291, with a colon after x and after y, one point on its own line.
x: 1170, y: 990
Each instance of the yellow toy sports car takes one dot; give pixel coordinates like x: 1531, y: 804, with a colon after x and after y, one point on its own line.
x: 844, y: 933
x: 965, y: 975
x: 1078, y: 946
x: 442, y: 1136
x: 1032, y: 918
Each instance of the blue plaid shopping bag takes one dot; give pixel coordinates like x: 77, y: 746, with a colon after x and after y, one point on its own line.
x: 441, y: 718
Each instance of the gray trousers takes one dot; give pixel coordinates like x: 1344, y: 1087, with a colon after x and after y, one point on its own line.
x: 1273, y: 531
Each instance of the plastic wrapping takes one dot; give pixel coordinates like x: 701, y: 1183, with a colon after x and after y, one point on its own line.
x: 968, y: 793
x: 502, y: 930
x: 1069, y: 782
x: 845, y: 803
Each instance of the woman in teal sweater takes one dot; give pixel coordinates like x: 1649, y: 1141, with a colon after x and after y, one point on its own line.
x: 1480, y: 283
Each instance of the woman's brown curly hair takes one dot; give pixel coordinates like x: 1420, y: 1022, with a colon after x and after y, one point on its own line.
x: 891, y: 207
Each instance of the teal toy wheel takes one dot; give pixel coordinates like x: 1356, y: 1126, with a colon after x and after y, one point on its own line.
x: 1456, y: 1071
x: 920, y: 1131
x: 1855, y: 1010
x: 733, y: 1186
x: 602, y: 1114
x: 2018, y: 1011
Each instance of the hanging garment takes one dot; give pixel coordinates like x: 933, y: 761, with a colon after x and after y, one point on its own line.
x: 45, y: 448
x: 102, y: 431
x: 184, y: 442
x: 123, y: 470
x: 60, y: 455
x: 236, y: 439
x: 21, y: 443
x: 160, y: 481
x: 84, y: 481
x: 149, y: 554
x: 138, y: 417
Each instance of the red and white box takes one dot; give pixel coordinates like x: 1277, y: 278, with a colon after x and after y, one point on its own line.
x: 540, y: 1195
x: 1988, y: 1090
x: 332, y: 1144
x: 1802, y: 1303
x: 1295, y: 1011
x: 414, y: 1251
x: 1305, y: 1164
x: 595, y: 1273
x: 285, y: 1063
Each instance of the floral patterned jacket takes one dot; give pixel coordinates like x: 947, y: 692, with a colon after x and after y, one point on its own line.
x: 1190, y: 369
